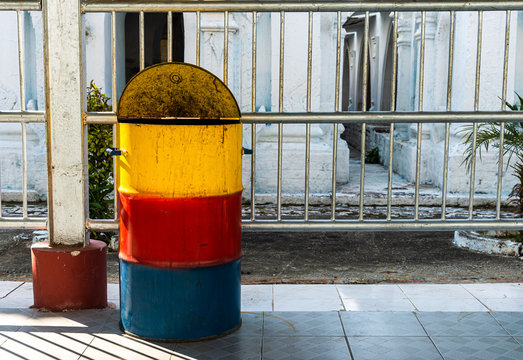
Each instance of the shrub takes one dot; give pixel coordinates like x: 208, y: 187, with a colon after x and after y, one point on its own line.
x: 488, y: 135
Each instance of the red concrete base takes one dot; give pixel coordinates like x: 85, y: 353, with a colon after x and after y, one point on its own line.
x: 69, y: 278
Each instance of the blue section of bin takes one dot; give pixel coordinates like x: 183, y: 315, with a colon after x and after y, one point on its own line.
x: 180, y: 304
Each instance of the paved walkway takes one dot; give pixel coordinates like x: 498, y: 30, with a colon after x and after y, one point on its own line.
x: 411, y: 321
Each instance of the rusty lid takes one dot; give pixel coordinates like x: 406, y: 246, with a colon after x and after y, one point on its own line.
x: 170, y: 92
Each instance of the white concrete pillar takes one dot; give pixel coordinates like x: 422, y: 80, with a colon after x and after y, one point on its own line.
x: 63, y: 87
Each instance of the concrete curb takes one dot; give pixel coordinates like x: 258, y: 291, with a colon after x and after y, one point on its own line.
x: 486, y: 244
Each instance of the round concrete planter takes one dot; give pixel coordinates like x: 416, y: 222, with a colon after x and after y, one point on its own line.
x: 487, y: 244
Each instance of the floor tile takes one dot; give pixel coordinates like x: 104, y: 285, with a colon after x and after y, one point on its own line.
x: 116, y: 346
x: 252, y: 325
x: 381, y: 324
x: 423, y: 303
x: 496, y: 290
x: 113, y: 292
x: 460, y: 324
x: 13, y: 319
x: 370, y: 291
x: 231, y: 347
x: 503, y: 304
x: 256, y: 297
x: 393, y: 348
x: 305, y: 348
x: 7, y: 286
x: 291, y: 323
x: 447, y: 291
x: 306, y: 298
x: 478, y: 348
x: 21, y: 297
x: 511, y: 321
x: 378, y: 304
x: 41, y: 345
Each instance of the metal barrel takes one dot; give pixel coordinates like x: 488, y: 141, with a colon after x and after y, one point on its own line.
x: 180, y: 204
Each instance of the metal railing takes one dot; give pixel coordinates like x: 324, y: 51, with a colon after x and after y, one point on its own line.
x: 22, y: 117
x: 332, y: 223
x: 336, y: 116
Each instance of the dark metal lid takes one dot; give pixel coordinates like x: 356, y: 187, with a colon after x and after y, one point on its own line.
x: 173, y: 92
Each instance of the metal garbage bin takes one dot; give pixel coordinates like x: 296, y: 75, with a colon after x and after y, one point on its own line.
x: 180, y: 190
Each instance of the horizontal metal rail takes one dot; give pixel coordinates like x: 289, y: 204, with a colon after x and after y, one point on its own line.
x: 297, y: 6
x: 26, y: 5
x: 345, y: 117
x: 22, y: 117
x: 381, y: 225
x: 21, y: 223
x: 348, y: 225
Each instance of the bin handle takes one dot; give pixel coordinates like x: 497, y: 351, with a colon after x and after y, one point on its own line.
x: 246, y: 151
x: 116, y: 152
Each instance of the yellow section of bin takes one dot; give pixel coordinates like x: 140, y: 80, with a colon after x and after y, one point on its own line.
x: 180, y: 161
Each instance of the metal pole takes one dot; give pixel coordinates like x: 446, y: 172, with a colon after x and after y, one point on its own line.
x: 253, y: 109
x: 503, y: 108
x: 447, y: 125
x: 475, y: 125
x: 364, y: 109
x: 169, y: 36
x: 336, y: 108
x: 392, y: 109
x: 308, y: 126
x: 280, y: 125
x: 420, y: 108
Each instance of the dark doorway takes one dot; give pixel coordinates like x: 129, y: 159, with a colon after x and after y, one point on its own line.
x: 155, y: 36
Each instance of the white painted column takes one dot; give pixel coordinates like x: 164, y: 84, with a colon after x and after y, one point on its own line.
x: 404, y: 86
x: 65, y: 151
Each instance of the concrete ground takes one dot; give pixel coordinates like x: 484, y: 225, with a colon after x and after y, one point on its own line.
x: 358, y: 322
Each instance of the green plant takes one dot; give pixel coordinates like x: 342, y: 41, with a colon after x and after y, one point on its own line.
x: 101, y: 178
x: 488, y: 135
x: 373, y: 156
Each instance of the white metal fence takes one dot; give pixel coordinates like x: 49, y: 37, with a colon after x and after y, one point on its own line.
x: 60, y: 201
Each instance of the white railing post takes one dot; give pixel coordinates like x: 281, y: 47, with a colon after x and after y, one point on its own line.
x: 65, y: 151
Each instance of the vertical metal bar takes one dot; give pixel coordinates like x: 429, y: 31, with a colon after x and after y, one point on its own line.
x: 336, y: 107
x: 476, y: 108
x: 503, y: 108
x: 0, y: 196
x: 65, y: 131
x: 280, y: 125
x: 141, y: 32
x: 447, y: 125
x: 22, y: 108
x: 113, y: 59
x: 21, y: 59
x: 24, y: 169
x: 198, y: 31
x: 225, y: 45
x: 253, y: 109
x: 170, y: 36
x: 364, y: 108
x: 308, y: 126
x: 420, y: 108
x: 115, y: 102
x: 392, y: 109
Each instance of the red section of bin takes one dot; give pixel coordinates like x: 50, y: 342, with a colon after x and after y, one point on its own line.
x: 180, y: 232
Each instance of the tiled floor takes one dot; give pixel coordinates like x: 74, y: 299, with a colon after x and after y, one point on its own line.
x: 414, y: 321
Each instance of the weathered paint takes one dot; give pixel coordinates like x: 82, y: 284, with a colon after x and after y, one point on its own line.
x: 180, y: 193
x: 181, y: 160
x: 66, y: 278
x: 180, y: 232
x: 179, y: 304
x: 176, y: 90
